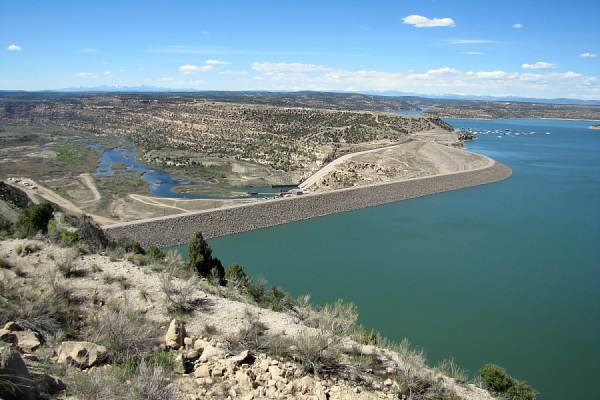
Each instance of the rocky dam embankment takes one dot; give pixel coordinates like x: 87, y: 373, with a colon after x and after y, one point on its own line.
x: 179, y: 229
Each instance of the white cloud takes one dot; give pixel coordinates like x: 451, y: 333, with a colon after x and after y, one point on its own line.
x: 423, y: 22
x: 517, y: 26
x: 190, y: 69
x: 216, y: 62
x: 233, y: 72
x: 86, y: 74
x: 588, y: 55
x: 491, y: 74
x: 287, y: 67
x: 572, y: 74
x: 539, y: 65
x: 107, y: 73
x: 298, y: 76
x: 14, y: 47
x: 469, y: 41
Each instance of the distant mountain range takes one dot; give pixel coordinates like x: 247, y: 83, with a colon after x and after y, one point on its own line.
x: 121, y: 89
x: 490, y: 98
x: 407, y: 96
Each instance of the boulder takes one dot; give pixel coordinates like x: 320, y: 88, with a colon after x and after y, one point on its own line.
x: 82, y: 354
x: 13, y: 326
x: 199, y: 344
x: 8, y: 336
x: 17, y: 383
x: 264, y: 365
x: 211, y: 352
x: 179, y: 364
x: 202, y: 371
x: 243, y: 379
x: 27, y: 341
x: 307, y: 383
x: 320, y: 391
x: 245, y: 357
x: 175, y: 337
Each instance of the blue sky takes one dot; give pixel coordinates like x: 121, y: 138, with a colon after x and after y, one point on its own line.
x: 531, y: 48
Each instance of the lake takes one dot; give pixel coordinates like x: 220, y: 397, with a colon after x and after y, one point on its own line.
x: 507, y: 273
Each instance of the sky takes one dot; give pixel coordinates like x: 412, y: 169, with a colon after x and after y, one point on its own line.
x: 528, y: 48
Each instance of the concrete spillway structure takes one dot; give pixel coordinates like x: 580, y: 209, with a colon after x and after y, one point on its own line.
x: 179, y: 229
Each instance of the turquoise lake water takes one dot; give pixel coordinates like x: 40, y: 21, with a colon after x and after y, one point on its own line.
x: 507, y: 273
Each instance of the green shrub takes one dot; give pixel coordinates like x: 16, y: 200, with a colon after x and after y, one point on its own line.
x: 5, y: 227
x: 236, y: 277
x: 155, y: 253
x: 34, y: 219
x: 27, y: 249
x: 201, y: 260
x: 497, y: 380
x: 130, y: 246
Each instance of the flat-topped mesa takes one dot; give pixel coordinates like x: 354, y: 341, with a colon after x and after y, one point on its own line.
x: 176, y: 230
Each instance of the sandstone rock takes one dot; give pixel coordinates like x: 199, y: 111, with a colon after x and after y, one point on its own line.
x: 319, y: 391
x: 179, y: 364
x: 8, y: 336
x: 210, y: 352
x: 289, y: 389
x: 276, y: 373
x: 245, y: 357
x: 27, y: 341
x: 388, y: 382
x: 199, y: 344
x: 191, y: 354
x: 18, y: 384
x: 175, y: 336
x: 271, y: 391
x: 217, y: 372
x: 188, y: 341
x: 202, y: 371
x: 13, y: 326
x: 243, y: 379
x: 307, y: 383
x: 82, y: 354
x: 264, y: 365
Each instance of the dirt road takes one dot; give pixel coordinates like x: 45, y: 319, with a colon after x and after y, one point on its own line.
x: 57, y: 199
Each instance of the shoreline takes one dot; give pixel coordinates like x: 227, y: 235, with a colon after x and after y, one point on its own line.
x: 179, y: 229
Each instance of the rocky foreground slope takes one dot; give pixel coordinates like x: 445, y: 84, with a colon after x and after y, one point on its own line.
x: 121, y: 325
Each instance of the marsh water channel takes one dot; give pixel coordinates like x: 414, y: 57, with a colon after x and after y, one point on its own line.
x: 161, y: 183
